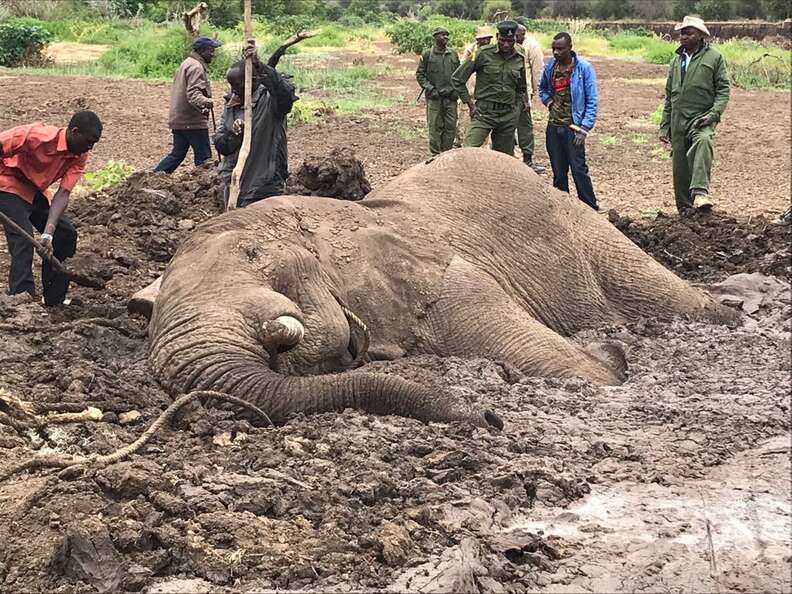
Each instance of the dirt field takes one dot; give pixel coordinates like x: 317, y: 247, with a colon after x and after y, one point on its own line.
x: 677, y: 480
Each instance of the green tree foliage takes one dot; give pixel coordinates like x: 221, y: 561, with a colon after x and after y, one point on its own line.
x: 682, y: 7
x: 777, y: 9
x: 462, y: 9
x: 715, y: 10
x: 527, y: 8
x: 492, y: 8
x: 22, y: 43
x: 611, y: 9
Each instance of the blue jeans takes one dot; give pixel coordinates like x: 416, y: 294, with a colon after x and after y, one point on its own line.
x: 182, y: 141
x: 565, y: 155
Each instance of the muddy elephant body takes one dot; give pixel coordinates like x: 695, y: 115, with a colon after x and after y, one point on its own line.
x: 471, y: 254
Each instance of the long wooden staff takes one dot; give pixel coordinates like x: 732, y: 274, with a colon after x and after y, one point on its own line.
x: 247, y: 132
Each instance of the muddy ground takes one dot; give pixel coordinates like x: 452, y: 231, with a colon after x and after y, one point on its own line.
x: 676, y: 481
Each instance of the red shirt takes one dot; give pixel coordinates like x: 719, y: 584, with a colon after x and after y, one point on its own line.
x: 33, y: 157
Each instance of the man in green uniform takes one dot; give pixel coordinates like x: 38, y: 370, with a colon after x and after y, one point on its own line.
x: 534, y: 65
x: 435, y: 68
x: 697, y: 91
x: 500, y: 83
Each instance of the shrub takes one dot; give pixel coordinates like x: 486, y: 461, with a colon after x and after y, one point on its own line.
x: 351, y: 21
x: 112, y: 174
x: 288, y: 25
x: 410, y: 36
x: 152, y: 54
x: 495, y: 8
x: 22, y: 44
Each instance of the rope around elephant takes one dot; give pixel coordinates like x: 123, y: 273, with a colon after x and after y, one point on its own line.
x: 72, y: 463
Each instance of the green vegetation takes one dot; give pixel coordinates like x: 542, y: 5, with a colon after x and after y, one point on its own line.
x: 112, y: 174
x: 22, y: 43
x: 609, y: 140
x: 412, y: 36
x: 657, y: 115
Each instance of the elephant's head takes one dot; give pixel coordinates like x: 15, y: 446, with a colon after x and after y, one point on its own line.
x: 264, y: 321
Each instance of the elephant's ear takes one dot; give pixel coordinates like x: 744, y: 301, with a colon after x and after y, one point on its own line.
x: 612, y: 355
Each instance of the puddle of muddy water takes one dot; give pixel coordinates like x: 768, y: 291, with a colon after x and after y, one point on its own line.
x: 729, y: 530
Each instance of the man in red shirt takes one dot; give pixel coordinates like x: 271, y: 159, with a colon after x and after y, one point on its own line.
x: 32, y: 158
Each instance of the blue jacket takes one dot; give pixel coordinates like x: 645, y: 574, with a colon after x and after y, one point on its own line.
x: 583, y: 88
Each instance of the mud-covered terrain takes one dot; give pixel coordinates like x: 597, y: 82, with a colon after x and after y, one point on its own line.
x: 676, y: 480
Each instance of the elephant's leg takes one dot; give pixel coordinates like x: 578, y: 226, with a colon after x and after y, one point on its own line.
x: 474, y: 316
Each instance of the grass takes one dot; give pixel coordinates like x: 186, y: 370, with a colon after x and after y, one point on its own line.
x: 639, y: 139
x: 661, y: 152
x: 657, y: 115
x: 609, y: 140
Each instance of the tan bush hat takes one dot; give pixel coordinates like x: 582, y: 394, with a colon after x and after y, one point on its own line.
x: 695, y: 22
x: 483, y: 32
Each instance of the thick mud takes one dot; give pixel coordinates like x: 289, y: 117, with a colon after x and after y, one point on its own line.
x: 676, y: 480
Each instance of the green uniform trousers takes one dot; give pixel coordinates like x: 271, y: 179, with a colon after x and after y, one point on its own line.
x: 500, y: 124
x: 441, y: 121
x: 525, y: 133
x: 691, y: 154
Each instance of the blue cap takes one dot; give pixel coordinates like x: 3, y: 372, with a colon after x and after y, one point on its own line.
x: 205, y: 42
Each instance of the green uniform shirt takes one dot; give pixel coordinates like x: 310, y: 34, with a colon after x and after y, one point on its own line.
x: 561, y: 107
x: 705, y: 89
x: 434, y: 73
x: 498, y: 79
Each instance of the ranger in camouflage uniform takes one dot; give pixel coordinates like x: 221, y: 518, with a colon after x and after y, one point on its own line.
x: 697, y: 91
x: 435, y: 68
x: 500, y: 83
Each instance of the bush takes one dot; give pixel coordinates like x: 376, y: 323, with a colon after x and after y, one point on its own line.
x: 22, y: 44
x: 225, y: 14
x: 495, y: 8
x: 287, y: 25
x: 351, y: 21
x: 410, y: 36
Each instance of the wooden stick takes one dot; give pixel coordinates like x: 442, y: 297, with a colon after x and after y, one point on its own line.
x: 80, y: 279
x: 247, y: 132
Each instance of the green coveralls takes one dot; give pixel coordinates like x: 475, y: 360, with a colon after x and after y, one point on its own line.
x: 500, y: 83
x: 705, y: 90
x: 434, y: 75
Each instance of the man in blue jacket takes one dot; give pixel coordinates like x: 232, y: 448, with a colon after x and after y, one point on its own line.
x: 569, y: 89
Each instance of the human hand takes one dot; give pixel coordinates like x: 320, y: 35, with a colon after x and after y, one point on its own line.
x: 46, y: 245
x: 580, y: 137
x: 249, y: 50
x: 703, y: 121
x: 238, y: 126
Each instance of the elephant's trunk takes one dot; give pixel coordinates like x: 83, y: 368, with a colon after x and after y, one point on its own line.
x: 192, y: 351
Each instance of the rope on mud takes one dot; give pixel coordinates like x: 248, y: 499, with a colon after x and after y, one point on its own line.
x: 70, y: 463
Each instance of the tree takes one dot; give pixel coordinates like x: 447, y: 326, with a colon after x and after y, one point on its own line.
x: 714, y: 10
x: 611, y: 9
x: 568, y: 8
x: 683, y: 7
x: 527, y: 8
x: 462, y: 9
x: 777, y: 9
x: 495, y: 8
x: 363, y: 8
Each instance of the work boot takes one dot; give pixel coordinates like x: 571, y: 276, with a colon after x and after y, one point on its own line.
x: 784, y: 219
x: 701, y: 200
x: 537, y: 168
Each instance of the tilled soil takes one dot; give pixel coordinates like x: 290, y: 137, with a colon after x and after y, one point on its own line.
x: 586, y: 488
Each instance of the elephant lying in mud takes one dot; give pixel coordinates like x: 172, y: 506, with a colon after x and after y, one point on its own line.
x: 471, y: 254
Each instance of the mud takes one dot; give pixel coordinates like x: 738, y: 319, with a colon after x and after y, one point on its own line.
x: 677, y: 479
x: 339, y: 174
x: 710, y: 247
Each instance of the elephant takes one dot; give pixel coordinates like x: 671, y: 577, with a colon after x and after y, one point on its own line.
x: 469, y: 254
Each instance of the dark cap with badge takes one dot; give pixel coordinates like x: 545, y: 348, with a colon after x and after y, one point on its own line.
x: 507, y: 29
x: 438, y: 30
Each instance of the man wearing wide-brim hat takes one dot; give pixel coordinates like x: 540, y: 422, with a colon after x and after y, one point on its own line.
x: 434, y: 71
x: 697, y: 91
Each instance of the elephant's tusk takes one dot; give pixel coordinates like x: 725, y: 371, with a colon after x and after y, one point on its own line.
x: 284, y: 331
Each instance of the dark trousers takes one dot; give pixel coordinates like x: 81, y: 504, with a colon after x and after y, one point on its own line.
x: 565, y: 155
x: 64, y: 244
x: 182, y: 141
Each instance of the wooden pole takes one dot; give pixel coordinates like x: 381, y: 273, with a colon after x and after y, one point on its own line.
x: 236, y: 175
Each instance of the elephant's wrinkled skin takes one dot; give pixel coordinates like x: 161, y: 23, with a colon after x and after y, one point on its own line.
x: 471, y: 254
